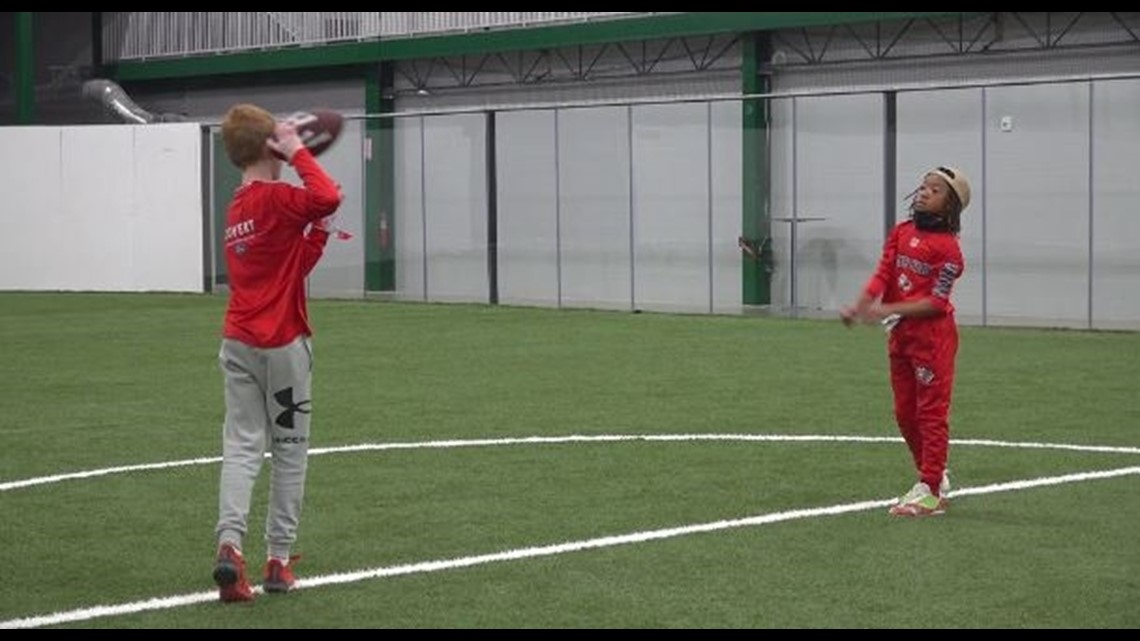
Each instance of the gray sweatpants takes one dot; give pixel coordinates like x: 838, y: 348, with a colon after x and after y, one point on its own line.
x: 268, y: 401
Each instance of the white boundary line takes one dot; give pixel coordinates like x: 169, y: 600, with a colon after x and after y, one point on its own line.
x: 111, y: 471
x: 562, y: 440
x: 426, y: 567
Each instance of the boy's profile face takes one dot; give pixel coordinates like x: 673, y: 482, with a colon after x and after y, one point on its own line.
x: 933, y: 196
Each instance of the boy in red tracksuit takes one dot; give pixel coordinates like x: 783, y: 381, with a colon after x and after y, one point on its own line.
x: 266, y: 355
x: 910, y: 294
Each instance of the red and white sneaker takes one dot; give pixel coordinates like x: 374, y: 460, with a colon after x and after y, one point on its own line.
x: 279, y: 576
x: 229, y: 574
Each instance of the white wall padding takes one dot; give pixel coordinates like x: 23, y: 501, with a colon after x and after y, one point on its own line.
x: 101, y: 208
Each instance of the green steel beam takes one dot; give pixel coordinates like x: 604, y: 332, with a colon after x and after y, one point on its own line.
x: 386, y: 156
x: 757, y: 218
x: 240, y: 82
x: 468, y: 43
x: 25, y: 68
x: 379, y: 182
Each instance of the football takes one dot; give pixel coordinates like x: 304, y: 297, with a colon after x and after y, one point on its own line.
x: 318, y: 128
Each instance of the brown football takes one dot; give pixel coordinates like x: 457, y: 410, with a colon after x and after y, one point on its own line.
x: 318, y: 128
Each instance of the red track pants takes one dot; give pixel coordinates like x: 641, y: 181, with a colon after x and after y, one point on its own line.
x: 922, y: 354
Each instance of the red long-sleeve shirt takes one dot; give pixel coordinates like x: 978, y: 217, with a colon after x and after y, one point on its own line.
x: 918, y: 265
x: 268, y: 256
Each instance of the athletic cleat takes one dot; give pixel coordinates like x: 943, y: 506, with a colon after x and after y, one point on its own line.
x: 919, y: 501
x: 279, y: 576
x: 229, y: 574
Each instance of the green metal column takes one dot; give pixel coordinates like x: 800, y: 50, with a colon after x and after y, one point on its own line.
x: 380, y: 182
x: 755, y: 239
x: 25, y: 68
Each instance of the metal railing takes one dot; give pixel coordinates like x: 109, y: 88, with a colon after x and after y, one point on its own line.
x: 137, y: 35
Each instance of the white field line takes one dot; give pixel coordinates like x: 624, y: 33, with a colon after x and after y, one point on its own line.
x: 425, y: 567
x: 110, y: 471
x: 561, y: 440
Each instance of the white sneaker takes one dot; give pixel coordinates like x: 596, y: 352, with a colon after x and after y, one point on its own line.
x: 919, y: 502
x: 918, y: 491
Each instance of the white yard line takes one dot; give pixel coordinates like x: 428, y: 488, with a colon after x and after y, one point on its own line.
x: 563, y: 440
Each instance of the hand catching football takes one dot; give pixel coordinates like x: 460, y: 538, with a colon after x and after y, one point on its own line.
x: 285, y: 141
x: 316, y: 130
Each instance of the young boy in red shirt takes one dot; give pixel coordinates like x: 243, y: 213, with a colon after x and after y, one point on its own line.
x: 266, y: 356
x: 910, y: 294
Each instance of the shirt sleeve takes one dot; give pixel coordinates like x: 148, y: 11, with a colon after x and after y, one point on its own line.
x: 312, y: 248
x: 878, y: 282
x: 947, y: 271
x: 318, y: 197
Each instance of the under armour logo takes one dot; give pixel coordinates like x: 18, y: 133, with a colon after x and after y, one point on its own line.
x: 285, y: 399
